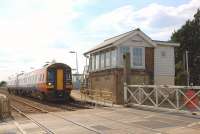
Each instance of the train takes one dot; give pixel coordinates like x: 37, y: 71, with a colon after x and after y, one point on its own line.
x: 51, y: 82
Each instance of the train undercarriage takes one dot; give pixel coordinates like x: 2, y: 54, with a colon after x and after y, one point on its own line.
x: 50, y: 95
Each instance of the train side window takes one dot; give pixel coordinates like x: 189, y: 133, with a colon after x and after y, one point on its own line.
x: 40, y: 78
x: 43, y: 77
x: 35, y: 78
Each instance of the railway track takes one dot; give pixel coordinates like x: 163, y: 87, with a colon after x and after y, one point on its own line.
x: 22, y: 112
x: 35, y: 105
x: 46, y: 129
x: 24, y: 107
x: 29, y: 108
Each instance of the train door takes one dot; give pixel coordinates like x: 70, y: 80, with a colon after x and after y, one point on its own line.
x: 60, y: 79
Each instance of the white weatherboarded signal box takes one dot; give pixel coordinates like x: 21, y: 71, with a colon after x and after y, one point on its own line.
x: 151, y: 62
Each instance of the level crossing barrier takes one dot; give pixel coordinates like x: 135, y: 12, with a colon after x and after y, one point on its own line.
x: 178, y: 98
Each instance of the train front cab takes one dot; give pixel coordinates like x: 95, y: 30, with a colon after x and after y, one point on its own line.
x: 59, y: 82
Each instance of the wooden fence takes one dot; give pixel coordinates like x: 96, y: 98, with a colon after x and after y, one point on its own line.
x: 98, y: 96
x: 178, y: 98
x: 5, y: 109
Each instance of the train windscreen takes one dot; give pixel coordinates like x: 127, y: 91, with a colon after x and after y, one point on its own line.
x: 68, y: 76
x: 51, y: 76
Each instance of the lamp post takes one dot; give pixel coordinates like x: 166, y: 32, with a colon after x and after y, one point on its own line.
x: 73, y: 52
x: 187, y: 65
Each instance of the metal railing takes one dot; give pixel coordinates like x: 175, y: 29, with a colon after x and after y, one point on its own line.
x: 165, y: 97
x: 97, y: 96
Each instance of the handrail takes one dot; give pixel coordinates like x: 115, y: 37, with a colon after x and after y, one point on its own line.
x: 165, y: 86
x: 163, y: 96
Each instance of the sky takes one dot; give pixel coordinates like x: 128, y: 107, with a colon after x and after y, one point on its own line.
x: 33, y: 32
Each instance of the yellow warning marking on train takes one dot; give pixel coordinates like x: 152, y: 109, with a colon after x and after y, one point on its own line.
x: 59, y: 79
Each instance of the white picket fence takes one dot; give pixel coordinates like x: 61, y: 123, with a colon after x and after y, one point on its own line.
x: 164, y: 97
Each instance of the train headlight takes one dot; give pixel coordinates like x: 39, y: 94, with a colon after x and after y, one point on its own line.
x: 49, y: 84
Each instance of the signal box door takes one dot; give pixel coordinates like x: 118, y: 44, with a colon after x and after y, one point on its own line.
x: 60, y: 79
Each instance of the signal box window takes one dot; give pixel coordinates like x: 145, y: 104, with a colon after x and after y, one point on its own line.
x: 138, y: 58
x: 102, y: 60
x: 108, y: 59
x: 123, y: 50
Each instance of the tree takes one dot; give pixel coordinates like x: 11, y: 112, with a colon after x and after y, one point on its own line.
x: 3, y: 83
x: 189, y: 38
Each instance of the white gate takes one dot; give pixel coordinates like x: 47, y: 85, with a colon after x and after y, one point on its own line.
x: 163, y: 97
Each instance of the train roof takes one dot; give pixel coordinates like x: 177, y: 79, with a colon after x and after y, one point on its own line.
x: 44, y: 67
x: 58, y: 65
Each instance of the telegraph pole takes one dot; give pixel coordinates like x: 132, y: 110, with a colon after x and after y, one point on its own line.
x: 187, y: 68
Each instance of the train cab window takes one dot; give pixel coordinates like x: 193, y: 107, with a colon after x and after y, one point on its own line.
x: 68, y: 76
x: 51, y: 76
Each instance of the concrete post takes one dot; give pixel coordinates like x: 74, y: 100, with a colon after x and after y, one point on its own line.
x: 126, y: 74
x: 126, y: 62
x: 125, y: 93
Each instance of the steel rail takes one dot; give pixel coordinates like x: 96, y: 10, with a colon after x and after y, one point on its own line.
x: 34, y: 121
x: 78, y: 124
x: 40, y: 109
x: 56, y: 115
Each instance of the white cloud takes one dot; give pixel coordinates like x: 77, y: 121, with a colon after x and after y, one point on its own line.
x: 29, y: 30
x: 159, y: 21
x: 32, y: 27
x: 35, y: 31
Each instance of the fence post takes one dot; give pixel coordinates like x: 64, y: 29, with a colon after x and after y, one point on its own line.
x: 156, y: 89
x: 125, y: 93
x: 177, y: 99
